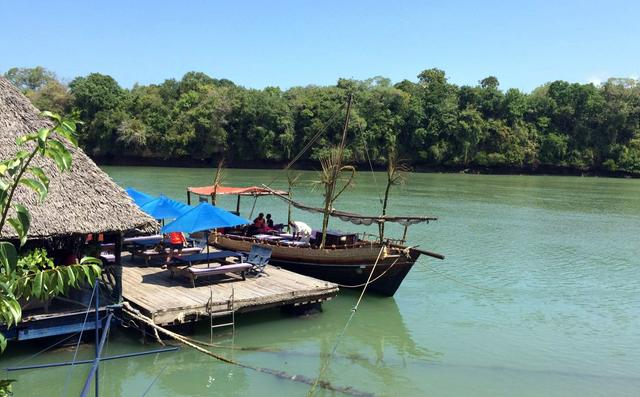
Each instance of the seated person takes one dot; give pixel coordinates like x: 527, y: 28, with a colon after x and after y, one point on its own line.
x: 259, y: 223
x: 301, y: 231
x: 271, y: 227
x: 176, y: 241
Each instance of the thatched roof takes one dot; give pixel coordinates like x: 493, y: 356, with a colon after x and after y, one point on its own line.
x: 80, y: 201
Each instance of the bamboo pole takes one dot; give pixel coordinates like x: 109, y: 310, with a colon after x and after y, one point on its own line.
x: 334, y: 172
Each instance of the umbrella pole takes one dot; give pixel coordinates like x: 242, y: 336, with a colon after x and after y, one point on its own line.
x: 206, y: 241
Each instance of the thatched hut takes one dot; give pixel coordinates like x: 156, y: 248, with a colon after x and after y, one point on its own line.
x: 82, y: 201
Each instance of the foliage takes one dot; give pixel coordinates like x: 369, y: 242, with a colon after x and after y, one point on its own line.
x: 397, y: 171
x: 330, y: 179
x: 6, y: 388
x: 431, y: 121
x: 32, y: 275
x: 29, y: 79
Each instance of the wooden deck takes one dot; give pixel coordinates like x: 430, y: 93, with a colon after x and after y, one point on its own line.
x: 173, y: 301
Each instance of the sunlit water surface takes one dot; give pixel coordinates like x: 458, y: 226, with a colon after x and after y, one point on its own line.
x: 539, y: 296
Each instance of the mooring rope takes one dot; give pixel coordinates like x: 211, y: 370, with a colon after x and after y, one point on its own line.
x: 455, y: 280
x: 372, y: 281
x: 130, y: 311
x: 325, y: 365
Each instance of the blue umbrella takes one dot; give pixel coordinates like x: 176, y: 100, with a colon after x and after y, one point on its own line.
x: 204, y: 217
x: 163, y: 207
x: 139, y: 197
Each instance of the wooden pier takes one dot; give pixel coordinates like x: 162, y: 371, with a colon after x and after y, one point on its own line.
x: 170, y: 301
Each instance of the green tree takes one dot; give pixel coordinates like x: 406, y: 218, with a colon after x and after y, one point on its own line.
x: 430, y: 120
x: 29, y: 79
x: 100, y: 102
x: 52, y: 95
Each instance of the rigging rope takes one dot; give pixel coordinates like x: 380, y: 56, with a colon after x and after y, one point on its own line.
x: 310, y: 143
x: 75, y: 354
x: 255, y: 199
x: 21, y: 362
x: 325, y: 365
x: 155, y: 380
x: 375, y: 180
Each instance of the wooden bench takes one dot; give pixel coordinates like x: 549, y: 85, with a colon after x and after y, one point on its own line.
x: 151, y: 254
x: 193, y: 273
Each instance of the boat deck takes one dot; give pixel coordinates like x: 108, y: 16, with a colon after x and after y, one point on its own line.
x: 173, y: 301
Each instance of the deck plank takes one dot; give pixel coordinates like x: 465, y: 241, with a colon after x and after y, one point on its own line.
x: 171, y: 301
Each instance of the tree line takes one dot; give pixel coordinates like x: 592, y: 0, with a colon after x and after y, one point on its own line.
x: 430, y: 121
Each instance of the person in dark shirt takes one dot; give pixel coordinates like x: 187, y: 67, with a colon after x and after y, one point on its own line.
x: 271, y: 226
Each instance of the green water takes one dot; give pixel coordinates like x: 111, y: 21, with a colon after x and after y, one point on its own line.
x: 539, y: 296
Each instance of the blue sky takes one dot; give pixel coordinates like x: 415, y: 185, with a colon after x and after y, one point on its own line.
x: 289, y: 43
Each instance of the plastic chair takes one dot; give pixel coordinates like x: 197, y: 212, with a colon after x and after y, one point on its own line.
x: 258, y: 258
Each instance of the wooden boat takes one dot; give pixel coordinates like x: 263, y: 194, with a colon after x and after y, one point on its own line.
x: 350, y: 266
x: 377, y: 265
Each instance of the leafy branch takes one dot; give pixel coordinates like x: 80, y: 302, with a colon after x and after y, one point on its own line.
x: 34, y: 276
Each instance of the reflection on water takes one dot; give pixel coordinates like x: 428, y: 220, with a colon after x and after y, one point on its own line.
x: 538, y: 296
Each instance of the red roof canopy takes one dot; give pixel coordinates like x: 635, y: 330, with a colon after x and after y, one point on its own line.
x: 242, y: 191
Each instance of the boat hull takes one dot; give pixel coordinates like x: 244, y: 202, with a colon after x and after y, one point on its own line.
x: 348, y: 267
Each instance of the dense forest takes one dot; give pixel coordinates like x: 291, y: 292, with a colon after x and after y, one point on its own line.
x: 431, y: 122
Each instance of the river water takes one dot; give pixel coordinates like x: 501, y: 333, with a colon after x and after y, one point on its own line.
x: 539, y: 295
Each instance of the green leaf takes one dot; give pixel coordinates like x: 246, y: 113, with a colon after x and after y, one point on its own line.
x: 21, y: 155
x: 53, y: 154
x: 21, y: 140
x: 50, y: 115
x: 14, y: 310
x: 8, y: 256
x: 62, y: 155
x: 4, y: 183
x: 36, y: 289
x: 67, y: 129
x: 39, y: 173
x: 24, y: 217
x: 3, y: 342
x: 43, y: 135
x: 17, y: 226
x: 35, y: 185
x: 60, y: 284
x: 71, y: 276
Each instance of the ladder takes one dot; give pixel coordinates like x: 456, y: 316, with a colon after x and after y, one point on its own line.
x: 228, y: 312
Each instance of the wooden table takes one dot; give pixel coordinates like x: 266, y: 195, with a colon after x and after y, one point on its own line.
x: 204, y: 257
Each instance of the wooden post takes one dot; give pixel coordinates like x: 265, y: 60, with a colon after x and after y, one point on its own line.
x: 97, y: 362
x: 188, y: 197
x: 238, y: 206
x: 404, y: 234
x: 117, y: 269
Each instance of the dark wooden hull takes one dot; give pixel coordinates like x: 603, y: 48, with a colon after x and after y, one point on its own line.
x: 348, y: 267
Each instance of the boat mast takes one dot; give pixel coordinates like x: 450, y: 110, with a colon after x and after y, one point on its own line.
x: 217, y: 181
x: 335, y: 172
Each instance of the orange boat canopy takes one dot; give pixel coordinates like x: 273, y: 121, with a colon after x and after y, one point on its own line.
x: 240, y: 191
